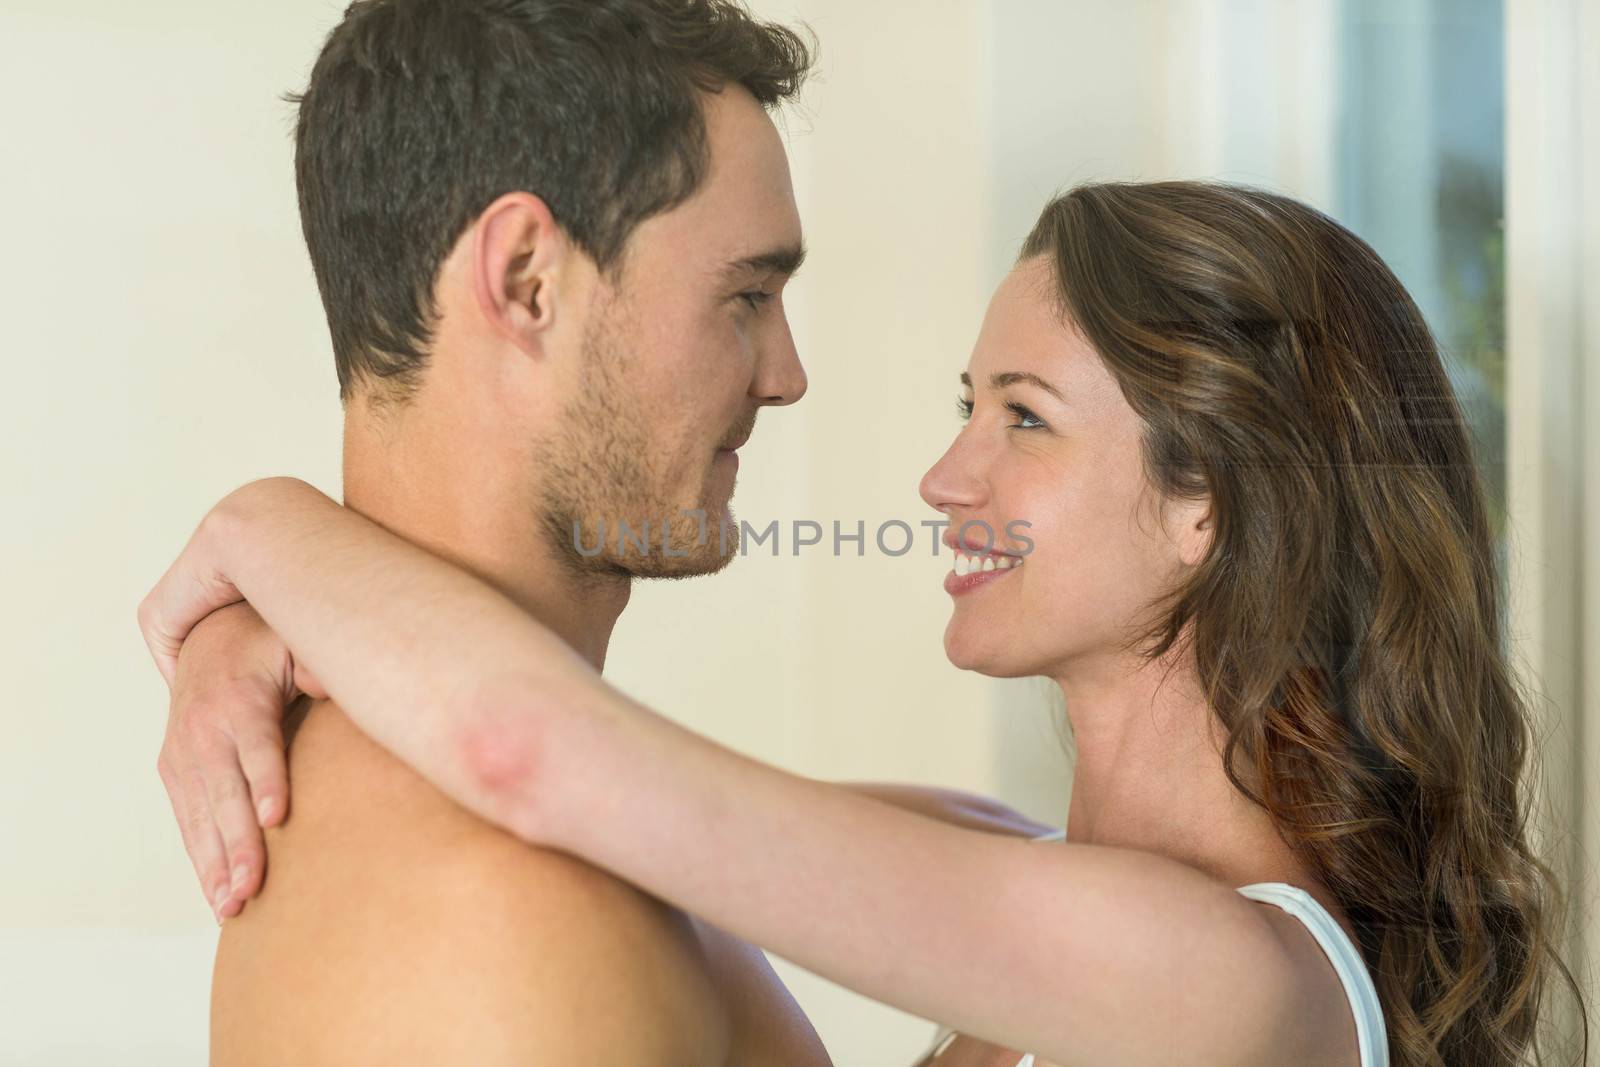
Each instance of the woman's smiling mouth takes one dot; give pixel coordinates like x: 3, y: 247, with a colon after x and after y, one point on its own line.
x: 972, y: 570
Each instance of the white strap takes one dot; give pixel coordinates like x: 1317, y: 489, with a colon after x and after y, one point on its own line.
x: 1371, y: 1035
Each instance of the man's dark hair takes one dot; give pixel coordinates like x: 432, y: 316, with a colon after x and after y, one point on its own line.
x: 420, y: 113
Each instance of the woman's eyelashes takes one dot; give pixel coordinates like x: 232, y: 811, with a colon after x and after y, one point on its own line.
x: 1027, y: 420
x: 1022, y: 413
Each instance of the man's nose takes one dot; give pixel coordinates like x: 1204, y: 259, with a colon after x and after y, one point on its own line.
x: 780, y: 377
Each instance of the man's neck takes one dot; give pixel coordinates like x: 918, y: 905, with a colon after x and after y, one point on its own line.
x: 476, y: 508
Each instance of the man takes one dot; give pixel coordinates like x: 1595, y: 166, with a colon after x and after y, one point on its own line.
x: 551, y: 238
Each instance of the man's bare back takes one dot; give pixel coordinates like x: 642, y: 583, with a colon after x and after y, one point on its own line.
x: 396, y: 927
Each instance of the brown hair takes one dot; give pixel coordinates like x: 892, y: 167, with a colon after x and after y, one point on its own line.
x: 419, y: 113
x: 1347, y: 623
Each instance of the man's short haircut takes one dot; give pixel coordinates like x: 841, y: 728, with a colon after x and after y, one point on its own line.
x: 420, y: 113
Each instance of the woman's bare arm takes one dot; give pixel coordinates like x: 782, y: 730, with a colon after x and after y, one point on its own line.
x: 329, y: 582
x: 1078, y: 952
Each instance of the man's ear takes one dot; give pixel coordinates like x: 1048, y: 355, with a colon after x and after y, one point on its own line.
x: 518, y: 252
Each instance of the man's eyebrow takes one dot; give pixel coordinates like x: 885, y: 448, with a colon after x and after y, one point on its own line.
x: 785, y: 261
x: 1016, y: 377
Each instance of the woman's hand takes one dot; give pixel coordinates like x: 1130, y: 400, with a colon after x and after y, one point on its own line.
x: 199, y: 580
x: 230, y: 677
x: 430, y: 661
x: 222, y: 760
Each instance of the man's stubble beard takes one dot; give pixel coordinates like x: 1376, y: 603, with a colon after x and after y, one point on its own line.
x: 599, y: 468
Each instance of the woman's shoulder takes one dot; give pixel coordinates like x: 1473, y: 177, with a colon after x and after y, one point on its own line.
x: 1337, y: 1018
x: 1339, y: 1003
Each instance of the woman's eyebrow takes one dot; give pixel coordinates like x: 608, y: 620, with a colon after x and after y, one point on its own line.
x: 1015, y: 377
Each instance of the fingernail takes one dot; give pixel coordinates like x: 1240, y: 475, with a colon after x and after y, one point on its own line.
x: 264, y: 809
x: 240, y: 873
x: 219, y: 897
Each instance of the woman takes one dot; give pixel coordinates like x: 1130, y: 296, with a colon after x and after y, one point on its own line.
x: 1261, y: 572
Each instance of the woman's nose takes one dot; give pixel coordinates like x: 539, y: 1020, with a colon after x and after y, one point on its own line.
x: 954, y: 482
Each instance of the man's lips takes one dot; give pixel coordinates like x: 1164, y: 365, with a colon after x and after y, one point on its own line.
x: 730, y: 453
x: 741, y: 438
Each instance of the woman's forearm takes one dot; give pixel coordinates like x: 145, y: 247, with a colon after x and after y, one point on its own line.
x: 874, y: 897
x: 1047, y: 948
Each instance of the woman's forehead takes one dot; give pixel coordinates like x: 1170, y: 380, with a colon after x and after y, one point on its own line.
x: 1025, y: 325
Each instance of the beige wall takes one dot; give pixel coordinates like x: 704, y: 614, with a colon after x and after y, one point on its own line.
x: 164, y: 342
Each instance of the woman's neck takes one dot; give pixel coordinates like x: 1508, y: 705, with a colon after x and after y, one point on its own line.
x: 1149, y: 775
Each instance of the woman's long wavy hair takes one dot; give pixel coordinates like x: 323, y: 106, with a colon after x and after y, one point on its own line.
x: 1347, y: 622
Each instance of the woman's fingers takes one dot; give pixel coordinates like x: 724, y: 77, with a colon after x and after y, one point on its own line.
x: 225, y: 734
x: 198, y: 829
x: 266, y: 769
x: 228, y: 795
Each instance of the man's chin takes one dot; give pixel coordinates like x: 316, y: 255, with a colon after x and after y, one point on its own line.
x: 691, y: 549
x: 696, y: 541
x: 696, y: 560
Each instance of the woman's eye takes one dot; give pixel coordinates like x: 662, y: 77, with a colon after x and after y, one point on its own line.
x: 1024, y: 415
x: 1026, y: 419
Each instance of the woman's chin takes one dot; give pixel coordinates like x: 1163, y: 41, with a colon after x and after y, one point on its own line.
x: 983, y: 653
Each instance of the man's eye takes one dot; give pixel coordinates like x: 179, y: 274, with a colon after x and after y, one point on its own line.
x: 963, y: 408
x: 756, y: 299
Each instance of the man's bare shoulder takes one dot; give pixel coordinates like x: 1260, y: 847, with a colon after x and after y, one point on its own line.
x: 395, y: 925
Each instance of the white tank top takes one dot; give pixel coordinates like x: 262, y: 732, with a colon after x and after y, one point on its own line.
x: 1371, y: 1036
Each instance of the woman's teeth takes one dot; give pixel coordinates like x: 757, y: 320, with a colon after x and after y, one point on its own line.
x: 966, y: 564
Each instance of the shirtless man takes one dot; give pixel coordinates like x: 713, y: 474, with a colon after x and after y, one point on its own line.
x: 600, y: 208
x: 551, y: 239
